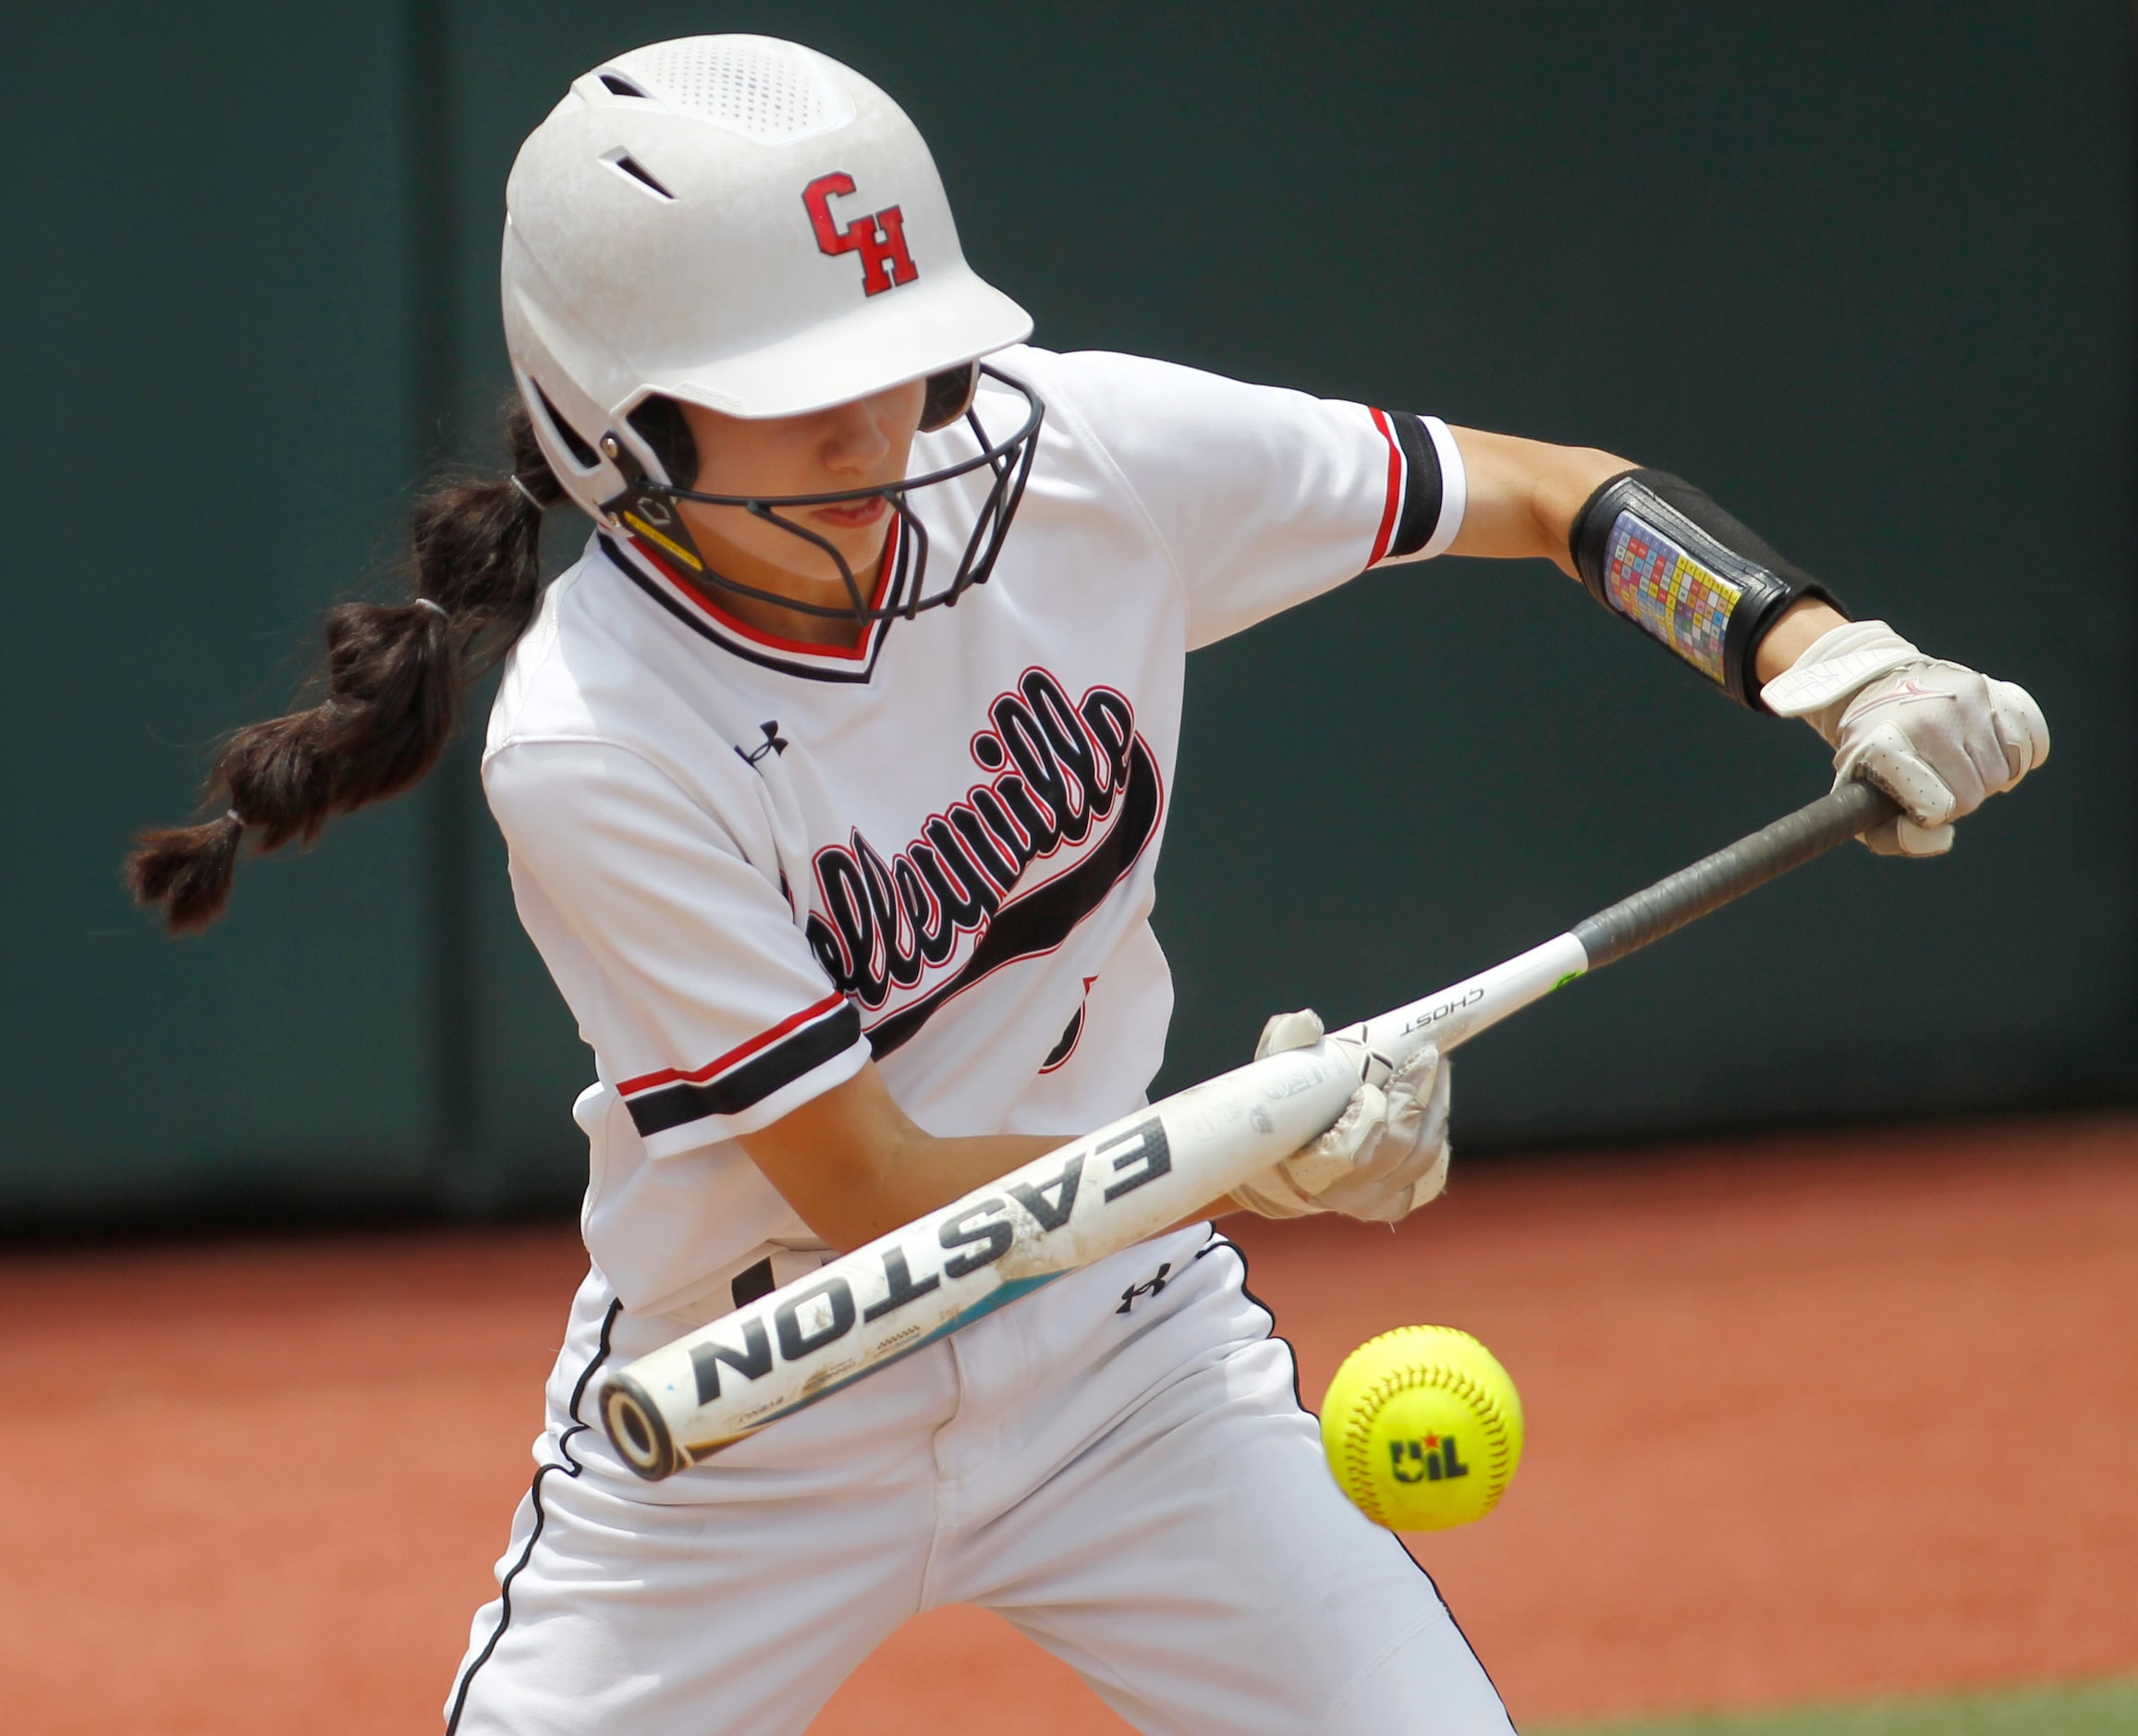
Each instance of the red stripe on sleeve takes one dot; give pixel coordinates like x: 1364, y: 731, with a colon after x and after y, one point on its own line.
x: 765, y: 1039
x: 1395, y: 491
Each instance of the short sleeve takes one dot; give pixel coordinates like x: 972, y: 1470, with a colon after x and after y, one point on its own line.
x: 680, y: 959
x: 1264, y: 497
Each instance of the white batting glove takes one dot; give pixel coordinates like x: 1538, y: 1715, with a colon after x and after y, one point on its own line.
x: 1937, y: 737
x: 1387, y: 1156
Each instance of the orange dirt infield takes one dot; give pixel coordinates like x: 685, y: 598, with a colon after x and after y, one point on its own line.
x: 1813, y: 1417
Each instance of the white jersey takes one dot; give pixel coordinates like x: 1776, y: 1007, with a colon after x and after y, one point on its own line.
x: 751, y: 864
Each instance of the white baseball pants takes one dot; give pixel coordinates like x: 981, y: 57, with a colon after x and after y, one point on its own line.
x: 1118, y: 1464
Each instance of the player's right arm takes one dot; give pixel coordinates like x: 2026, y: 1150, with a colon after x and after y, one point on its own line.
x: 713, y: 1019
x: 854, y: 1166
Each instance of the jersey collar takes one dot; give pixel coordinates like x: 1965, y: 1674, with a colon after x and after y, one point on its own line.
x: 658, y: 578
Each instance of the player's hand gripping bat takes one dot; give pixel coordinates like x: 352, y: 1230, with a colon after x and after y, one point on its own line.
x: 1100, y: 1193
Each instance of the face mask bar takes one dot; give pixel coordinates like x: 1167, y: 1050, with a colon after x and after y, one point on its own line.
x: 646, y: 509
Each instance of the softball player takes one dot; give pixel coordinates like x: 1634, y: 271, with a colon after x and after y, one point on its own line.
x: 849, y: 891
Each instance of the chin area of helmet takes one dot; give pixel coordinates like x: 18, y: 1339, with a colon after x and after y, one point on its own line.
x: 645, y: 507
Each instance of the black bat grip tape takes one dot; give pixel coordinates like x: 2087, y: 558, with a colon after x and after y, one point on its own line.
x: 1731, y: 871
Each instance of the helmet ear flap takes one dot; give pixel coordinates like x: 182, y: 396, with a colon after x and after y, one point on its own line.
x: 949, y: 396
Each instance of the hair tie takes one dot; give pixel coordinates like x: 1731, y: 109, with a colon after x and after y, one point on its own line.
x: 436, y: 608
x: 232, y: 813
x: 527, y: 493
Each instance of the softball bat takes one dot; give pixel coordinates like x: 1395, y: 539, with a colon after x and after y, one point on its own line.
x: 1131, y: 1178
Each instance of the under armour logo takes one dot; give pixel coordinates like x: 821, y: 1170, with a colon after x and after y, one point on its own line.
x: 1129, y: 1295
x: 879, y: 239
x: 774, y: 742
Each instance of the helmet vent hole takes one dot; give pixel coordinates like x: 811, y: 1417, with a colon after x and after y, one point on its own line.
x: 769, y: 91
x: 582, y: 454
x: 624, y: 163
x: 622, y: 87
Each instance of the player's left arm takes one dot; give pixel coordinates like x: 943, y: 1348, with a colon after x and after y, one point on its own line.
x: 1525, y: 495
x: 1935, y: 735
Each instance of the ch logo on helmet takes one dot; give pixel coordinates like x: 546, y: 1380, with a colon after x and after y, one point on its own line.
x: 879, y: 239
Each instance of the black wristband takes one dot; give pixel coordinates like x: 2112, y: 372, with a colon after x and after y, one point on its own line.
x: 1657, y: 551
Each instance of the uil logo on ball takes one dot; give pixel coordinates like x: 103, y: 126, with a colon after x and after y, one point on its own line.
x: 879, y: 238
x: 1433, y: 1459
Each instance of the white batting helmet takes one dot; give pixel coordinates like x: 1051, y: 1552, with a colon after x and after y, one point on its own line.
x: 732, y: 221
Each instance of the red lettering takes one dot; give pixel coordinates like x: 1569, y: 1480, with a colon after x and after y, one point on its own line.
x: 879, y: 239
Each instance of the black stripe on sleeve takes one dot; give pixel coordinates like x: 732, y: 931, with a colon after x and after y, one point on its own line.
x: 755, y: 1080
x: 1422, y: 486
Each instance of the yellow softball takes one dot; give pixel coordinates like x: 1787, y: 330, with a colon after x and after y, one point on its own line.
x: 1422, y: 1428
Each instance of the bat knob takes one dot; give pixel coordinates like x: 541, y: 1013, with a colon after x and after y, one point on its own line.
x: 637, y: 1429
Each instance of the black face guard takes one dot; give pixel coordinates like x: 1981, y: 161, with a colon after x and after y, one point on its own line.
x: 646, y: 509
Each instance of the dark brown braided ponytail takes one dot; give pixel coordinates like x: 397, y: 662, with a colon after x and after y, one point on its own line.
x: 392, y: 682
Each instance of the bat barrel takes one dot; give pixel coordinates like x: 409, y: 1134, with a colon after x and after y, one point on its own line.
x: 676, y: 1406
x: 1731, y: 871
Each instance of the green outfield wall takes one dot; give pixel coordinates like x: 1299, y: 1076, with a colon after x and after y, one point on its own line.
x: 1866, y: 273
